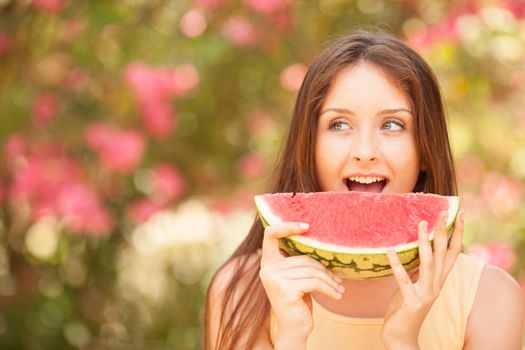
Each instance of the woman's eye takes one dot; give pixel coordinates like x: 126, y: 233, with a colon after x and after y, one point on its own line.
x: 392, y: 125
x: 339, y: 126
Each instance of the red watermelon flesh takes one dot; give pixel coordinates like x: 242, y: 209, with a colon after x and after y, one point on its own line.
x: 357, y: 219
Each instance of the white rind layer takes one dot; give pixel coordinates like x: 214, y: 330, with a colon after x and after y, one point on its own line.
x: 262, y: 207
x: 271, y: 219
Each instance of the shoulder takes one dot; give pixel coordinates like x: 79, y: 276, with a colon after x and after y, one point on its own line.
x: 236, y: 267
x: 221, y: 304
x: 497, y: 316
x: 498, y: 288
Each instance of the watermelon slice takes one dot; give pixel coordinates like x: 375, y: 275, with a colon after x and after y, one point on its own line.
x: 350, y: 232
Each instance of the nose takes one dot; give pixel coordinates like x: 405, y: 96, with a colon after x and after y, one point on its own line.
x: 364, y: 147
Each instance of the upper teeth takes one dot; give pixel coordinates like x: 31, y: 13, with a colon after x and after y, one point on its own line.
x: 367, y: 179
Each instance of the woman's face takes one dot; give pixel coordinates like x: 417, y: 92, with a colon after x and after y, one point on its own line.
x: 365, y: 134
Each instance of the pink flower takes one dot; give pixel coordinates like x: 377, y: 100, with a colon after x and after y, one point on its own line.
x: 260, y: 122
x: 15, y: 146
x: 292, y: 76
x: 499, y: 254
x: 119, y: 150
x: 150, y: 85
x: 42, y: 174
x: 193, y: 23
x: 282, y: 20
x: 52, y: 184
x: 82, y: 211
x: 52, y: 6
x: 45, y: 107
x: 517, y: 7
x: 266, y: 6
x: 141, y: 210
x: 158, y: 118
x: 241, y: 200
x: 186, y: 79
x: 240, y: 31
x: 474, y: 206
x: 154, y: 88
x: 124, y: 153
x: 38, y: 180
x: 221, y: 206
x: 146, y: 83
x: 424, y: 38
x: 99, y: 134
x: 167, y: 183
x: 252, y: 165
x: 471, y: 170
x: 503, y: 194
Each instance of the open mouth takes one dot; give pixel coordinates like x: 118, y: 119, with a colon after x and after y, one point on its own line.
x: 366, y: 184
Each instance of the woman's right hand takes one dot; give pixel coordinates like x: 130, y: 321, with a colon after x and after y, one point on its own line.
x: 288, y: 282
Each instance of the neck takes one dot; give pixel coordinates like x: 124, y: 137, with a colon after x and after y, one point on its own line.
x: 363, y: 298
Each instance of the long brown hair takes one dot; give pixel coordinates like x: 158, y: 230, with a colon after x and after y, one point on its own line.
x: 296, y: 164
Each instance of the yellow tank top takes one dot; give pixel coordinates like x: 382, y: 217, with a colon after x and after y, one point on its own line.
x: 443, y: 328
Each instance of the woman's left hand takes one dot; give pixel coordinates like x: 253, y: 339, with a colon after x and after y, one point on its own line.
x: 412, y: 302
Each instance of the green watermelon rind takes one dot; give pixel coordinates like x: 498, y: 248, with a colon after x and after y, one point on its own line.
x: 352, y: 262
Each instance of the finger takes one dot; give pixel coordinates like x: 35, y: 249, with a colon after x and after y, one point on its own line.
x: 302, y: 272
x: 283, y: 229
x: 270, y: 245
x: 305, y: 260
x: 403, y: 280
x: 313, y: 284
x: 456, y: 242
x: 440, y: 247
x: 426, y: 266
x: 440, y: 237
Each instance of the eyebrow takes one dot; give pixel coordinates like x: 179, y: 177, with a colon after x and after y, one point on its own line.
x: 383, y: 112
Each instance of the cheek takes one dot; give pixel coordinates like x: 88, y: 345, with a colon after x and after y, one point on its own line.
x: 321, y: 161
x: 328, y: 157
x: 403, y: 153
x: 317, y: 155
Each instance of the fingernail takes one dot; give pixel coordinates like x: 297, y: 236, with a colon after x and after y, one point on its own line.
x: 304, y: 226
x: 341, y: 288
x: 338, y: 279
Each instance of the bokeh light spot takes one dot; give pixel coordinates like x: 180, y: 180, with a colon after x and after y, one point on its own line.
x: 42, y: 238
x: 76, y: 333
x: 193, y: 23
x: 292, y: 76
x: 517, y: 163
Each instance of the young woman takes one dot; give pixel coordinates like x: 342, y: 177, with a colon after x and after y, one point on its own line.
x: 369, y: 106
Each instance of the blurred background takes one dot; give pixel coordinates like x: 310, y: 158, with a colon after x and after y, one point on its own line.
x: 134, y: 134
